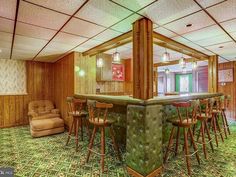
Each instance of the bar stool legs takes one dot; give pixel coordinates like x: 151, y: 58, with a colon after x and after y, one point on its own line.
x: 186, y: 131
x: 70, y: 131
x: 102, y: 152
x: 226, y: 121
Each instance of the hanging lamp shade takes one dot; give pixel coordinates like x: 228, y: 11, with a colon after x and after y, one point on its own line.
x: 194, y: 65
x: 165, y: 57
x: 100, y: 62
x: 116, y: 57
x: 167, y: 71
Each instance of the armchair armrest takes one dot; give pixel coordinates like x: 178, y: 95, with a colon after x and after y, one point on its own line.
x: 55, y: 111
x: 32, y: 114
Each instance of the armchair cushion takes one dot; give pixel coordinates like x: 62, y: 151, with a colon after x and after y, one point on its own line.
x: 47, y: 124
x: 55, y: 111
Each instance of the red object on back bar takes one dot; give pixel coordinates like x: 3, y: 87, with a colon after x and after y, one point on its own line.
x: 118, y: 72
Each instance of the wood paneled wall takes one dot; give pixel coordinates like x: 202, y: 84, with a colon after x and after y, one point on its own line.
x: 229, y: 88
x: 14, y: 108
x: 85, y: 84
x: 63, y: 72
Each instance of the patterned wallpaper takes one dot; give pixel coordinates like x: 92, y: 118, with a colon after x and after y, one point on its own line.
x: 12, y: 77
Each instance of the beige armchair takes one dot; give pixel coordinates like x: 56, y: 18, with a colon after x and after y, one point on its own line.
x: 44, y: 119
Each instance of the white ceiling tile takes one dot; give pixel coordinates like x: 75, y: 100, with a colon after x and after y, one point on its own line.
x: 222, y: 60
x: 228, y: 51
x: 181, y: 39
x: 207, y: 52
x: 233, y: 35
x: 165, y: 32
x: 8, y: 9
x: 204, y: 33
x: 107, y: 35
x: 164, y: 11
x: 83, y: 28
x: 198, y: 20
x: 40, y: 16
x: 214, y: 40
x: 5, y: 40
x: 5, y: 54
x: 20, y: 54
x: 103, y: 12
x: 28, y: 45
x: 229, y: 26
x: 65, y: 6
x: 207, y: 3
x: 6, y: 25
x: 134, y: 4
x: 223, y: 11
x: 69, y: 39
x: 80, y: 49
x: 34, y: 31
x: 126, y: 25
x: 55, y: 48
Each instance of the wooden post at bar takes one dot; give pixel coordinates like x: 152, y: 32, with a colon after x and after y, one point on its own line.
x: 143, y: 59
x: 213, y: 74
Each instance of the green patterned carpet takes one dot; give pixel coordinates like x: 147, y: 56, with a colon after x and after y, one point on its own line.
x: 48, y: 156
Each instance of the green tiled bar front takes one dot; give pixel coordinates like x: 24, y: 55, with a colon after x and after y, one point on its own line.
x: 141, y: 125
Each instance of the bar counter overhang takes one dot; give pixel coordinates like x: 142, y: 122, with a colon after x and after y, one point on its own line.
x: 141, y: 125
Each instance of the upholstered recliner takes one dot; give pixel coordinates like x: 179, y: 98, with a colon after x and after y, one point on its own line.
x: 44, y: 119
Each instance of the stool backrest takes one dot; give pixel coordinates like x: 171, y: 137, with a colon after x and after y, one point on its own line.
x: 74, y: 105
x: 98, y: 111
x: 224, y: 101
x: 208, y: 106
x: 185, y: 109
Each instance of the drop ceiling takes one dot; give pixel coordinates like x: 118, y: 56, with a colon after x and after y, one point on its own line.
x: 46, y: 30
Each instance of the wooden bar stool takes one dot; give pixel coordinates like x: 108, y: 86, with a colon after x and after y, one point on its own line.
x: 78, y: 114
x: 224, y: 104
x: 98, y: 118
x: 215, y: 123
x: 184, y: 122
x: 205, y: 113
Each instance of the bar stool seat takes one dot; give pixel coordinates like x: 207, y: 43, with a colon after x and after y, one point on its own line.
x: 203, y: 116
x: 79, y: 114
x: 184, y: 123
x: 99, y: 121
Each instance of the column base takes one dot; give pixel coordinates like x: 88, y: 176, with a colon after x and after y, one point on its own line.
x: 156, y: 172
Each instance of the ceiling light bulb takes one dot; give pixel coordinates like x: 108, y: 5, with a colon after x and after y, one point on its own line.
x: 99, y: 62
x: 167, y: 71
x: 81, y: 73
x: 165, y: 57
x: 194, y: 65
x: 116, y: 57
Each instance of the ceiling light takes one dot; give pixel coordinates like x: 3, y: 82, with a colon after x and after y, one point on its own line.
x: 167, y: 71
x: 81, y: 73
x: 116, y: 57
x: 189, y: 25
x: 194, y: 65
x: 182, y: 62
x: 165, y: 57
x: 100, y: 61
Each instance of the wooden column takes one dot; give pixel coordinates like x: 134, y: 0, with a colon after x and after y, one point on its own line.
x: 213, y: 74
x: 143, y: 59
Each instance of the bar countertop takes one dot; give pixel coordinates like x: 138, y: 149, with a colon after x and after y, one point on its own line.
x: 163, y: 100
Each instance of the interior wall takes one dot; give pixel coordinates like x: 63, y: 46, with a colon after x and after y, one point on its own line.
x: 63, y: 72
x: 85, y: 84
x: 14, y: 108
x: 229, y: 88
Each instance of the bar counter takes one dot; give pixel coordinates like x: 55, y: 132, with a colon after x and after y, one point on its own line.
x: 141, y: 125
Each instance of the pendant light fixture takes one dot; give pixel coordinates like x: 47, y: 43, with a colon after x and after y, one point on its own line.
x: 182, y: 61
x: 194, y: 65
x: 167, y: 71
x: 116, y: 57
x: 100, y: 61
x: 165, y: 57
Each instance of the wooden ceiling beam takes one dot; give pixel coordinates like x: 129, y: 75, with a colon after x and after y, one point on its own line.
x: 175, y: 62
x: 176, y: 46
x: 111, y: 44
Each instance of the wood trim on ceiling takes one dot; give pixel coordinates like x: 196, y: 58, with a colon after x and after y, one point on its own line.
x: 112, y: 43
x: 214, y: 20
x: 62, y: 27
x: 14, y: 30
